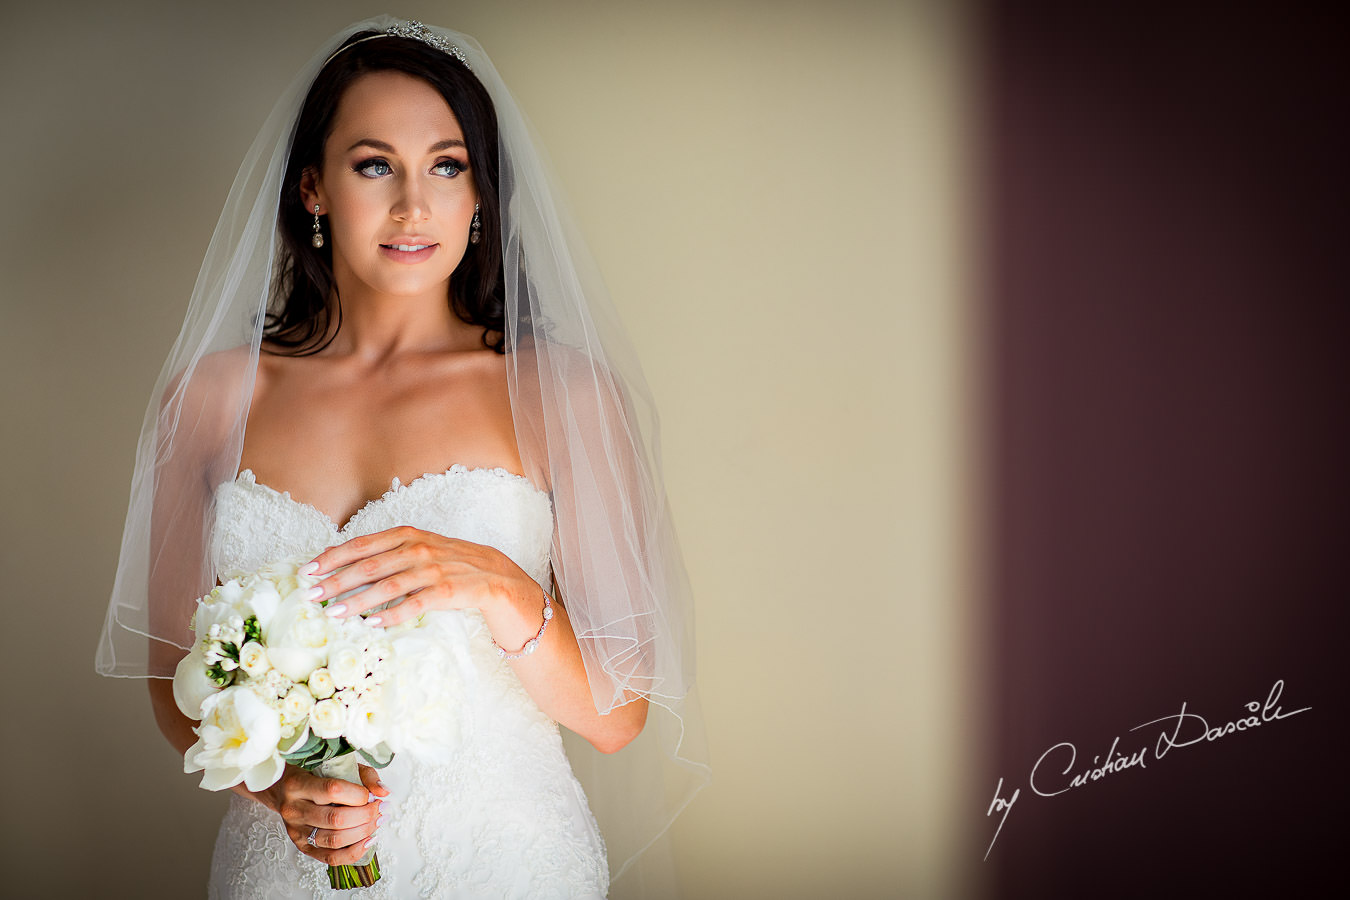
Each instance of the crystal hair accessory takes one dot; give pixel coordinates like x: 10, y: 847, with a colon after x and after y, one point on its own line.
x: 418, y: 32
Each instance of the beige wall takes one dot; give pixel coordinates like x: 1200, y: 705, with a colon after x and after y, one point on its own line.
x: 776, y: 193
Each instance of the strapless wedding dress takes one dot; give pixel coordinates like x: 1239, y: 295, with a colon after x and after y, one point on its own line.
x: 507, y: 818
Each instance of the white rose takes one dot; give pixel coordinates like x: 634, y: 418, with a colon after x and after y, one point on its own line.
x: 328, y: 718
x: 253, y: 659
x: 297, y: 704
x: 347, y: 665
x: 191, y: 684
x: 297, y: 637
x: 237, y: 741
x: 321, y: 684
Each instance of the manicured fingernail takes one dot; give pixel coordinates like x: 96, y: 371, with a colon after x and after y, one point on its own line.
x: 314, y: 593
x: 373, y: 620
x: 309, y: 568
x: 335, y: 609
x: 378, y: 821
x: 372, y: 799
x: 366, y: 845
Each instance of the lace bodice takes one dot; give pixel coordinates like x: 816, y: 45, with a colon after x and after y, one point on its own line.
x: 506, y: 818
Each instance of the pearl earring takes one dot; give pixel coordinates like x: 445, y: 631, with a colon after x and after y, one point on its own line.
x: 317, y: 240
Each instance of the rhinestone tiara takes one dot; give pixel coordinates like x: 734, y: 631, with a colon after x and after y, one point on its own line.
x: 418, y: 32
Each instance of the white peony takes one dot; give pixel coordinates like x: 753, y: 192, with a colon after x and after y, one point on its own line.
x: 191, y: 684
x: 422, y: 697
x: 366, y: 720
x: 328, y: 718
x: 237, y: 741
x: 253, y: 659
x: 297, y: 637
x: 286, y: 576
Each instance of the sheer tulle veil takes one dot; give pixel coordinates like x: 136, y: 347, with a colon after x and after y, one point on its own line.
x: 586, y: 429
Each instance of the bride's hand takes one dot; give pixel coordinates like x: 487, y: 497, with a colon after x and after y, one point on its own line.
x: 429, y: 571
x: 341, y: 816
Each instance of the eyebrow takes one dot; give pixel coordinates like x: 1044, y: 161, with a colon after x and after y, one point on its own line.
x: 387, y: 148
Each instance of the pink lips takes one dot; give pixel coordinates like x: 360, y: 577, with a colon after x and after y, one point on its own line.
x: 391, y: 252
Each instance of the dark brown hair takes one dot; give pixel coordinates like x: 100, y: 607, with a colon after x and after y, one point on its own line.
x: 305, y: 309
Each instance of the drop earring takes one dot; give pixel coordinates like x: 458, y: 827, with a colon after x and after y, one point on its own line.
x: 475, y: 227
x: 317, y: 240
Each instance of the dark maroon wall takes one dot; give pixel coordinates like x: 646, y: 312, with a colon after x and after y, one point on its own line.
x: 1169, y: 240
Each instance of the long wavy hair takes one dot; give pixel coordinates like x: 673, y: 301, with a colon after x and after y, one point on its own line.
x: 305, y: 310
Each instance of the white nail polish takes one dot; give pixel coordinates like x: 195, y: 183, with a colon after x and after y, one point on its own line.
x: 372, y: 620
x: 335, y: 609
x: 314, y: 593
x: 309, y: 568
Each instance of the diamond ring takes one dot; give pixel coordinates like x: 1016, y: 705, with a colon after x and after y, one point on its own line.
x: 310, y: 840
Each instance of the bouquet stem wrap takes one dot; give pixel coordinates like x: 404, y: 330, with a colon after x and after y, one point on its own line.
x: 365, y: 871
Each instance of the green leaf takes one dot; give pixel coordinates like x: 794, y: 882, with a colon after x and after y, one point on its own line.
x: 374, y: 761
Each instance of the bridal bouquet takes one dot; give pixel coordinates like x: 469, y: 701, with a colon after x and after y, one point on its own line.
x: 272, y: 679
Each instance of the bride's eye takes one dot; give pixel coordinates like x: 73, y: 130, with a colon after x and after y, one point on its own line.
x: 449, y: 167
x: 372, y: 168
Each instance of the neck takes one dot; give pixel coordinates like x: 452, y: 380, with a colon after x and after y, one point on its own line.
x: 376, y: 327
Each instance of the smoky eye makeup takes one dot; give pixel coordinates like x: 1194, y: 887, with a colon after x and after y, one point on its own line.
x: 375, y: 167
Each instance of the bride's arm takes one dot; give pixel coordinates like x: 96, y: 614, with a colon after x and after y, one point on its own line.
x: 437, y: 572
x: 554, y: 673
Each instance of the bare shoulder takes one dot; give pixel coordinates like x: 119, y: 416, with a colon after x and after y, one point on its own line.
x: 210, y: 386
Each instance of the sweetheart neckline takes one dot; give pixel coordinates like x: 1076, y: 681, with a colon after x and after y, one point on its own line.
x: 396, y: 487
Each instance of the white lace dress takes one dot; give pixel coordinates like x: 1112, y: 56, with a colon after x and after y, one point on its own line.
x: 507, y: 818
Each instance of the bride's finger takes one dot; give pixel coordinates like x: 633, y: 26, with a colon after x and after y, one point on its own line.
x: 338, y: 839
x: 301, y: 789
x: 406, y: 578
x: 359, y: 548
x: 438, y: 594
x: 304, y: 815
x: 327, y: 846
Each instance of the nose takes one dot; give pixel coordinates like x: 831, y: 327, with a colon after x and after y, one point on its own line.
x: 411, y: 203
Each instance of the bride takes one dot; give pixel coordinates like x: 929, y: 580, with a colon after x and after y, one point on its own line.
x: 398, y: 363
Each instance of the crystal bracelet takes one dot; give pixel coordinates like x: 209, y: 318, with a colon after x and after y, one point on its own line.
x: 533, y: 642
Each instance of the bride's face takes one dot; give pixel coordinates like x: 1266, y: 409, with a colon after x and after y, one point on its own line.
x: 396, y: 187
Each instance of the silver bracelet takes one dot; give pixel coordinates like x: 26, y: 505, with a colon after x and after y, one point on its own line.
x: 533, y: 642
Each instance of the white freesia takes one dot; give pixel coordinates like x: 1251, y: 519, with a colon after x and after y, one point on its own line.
x: 297, y: 637
x: 321, y: 684
x: 328, y: 718
x: 191, y: 684
x: 253, y: 659
x: 229, y: 604
x: 237, y: 741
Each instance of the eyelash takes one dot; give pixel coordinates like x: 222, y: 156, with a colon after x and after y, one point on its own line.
x: 456, y: 167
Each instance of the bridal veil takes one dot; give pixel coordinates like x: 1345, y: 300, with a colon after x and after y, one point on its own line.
x: 585, y: 425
